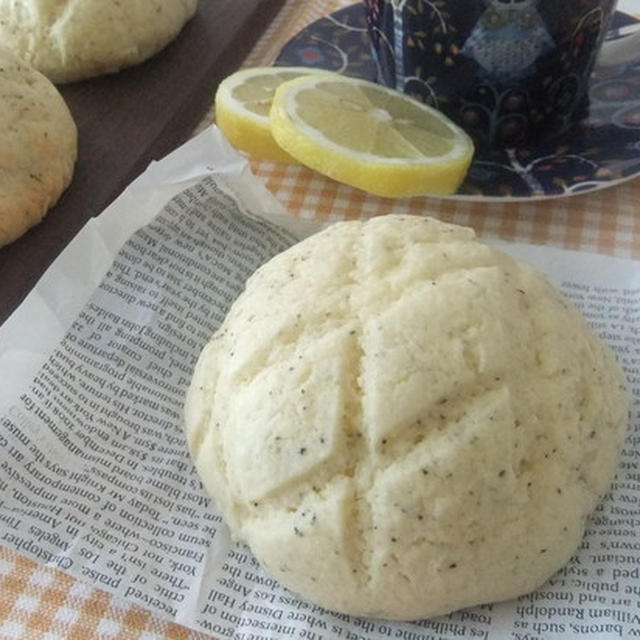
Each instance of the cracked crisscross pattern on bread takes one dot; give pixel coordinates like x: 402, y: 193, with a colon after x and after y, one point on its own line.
x: 69, y: 40
x: 401, y: 421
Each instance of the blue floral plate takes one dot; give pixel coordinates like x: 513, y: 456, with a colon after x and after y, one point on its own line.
x: 602, y: 151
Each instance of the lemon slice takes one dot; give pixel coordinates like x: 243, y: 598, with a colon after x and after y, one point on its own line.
x: 242, y: 104
x: 369, y: 136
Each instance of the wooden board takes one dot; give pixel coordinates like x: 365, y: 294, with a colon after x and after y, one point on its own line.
x: 128, y: 119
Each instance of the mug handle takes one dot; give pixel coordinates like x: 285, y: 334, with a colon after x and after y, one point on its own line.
x: 625, y: 49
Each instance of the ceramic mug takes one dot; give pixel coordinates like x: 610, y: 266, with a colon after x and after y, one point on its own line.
x: 505, y: 70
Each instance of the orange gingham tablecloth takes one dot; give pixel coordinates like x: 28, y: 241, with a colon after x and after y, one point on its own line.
x: 42, y: 603
x: 606, y: 221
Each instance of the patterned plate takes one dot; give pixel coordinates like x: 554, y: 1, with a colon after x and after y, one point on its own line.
x: 604, y: 151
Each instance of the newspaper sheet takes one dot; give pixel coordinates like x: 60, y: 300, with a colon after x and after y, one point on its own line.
x: 95, y: 477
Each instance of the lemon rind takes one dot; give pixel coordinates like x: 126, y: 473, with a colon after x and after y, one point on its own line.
x: 440, y: 175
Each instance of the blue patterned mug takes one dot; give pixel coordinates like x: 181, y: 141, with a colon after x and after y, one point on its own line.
x: 505, y: 70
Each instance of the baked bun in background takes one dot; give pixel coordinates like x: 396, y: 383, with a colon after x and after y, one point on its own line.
x: 70, y: 40
x: 401, y: 421
x: 38, y: 146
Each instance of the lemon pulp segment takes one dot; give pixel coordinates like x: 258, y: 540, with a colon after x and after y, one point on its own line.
x: 369, y: 136
x: 242, y: 105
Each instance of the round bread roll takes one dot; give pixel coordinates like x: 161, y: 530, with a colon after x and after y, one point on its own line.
x: 38, y: 146
x: 70, y: 40
x: 401, y: 421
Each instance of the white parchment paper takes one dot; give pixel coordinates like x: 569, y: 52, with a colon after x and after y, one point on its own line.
x: 94, y: 472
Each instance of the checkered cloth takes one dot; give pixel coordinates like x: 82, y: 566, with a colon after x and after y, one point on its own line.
x: 38, y: 603
x: 606, y: 221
